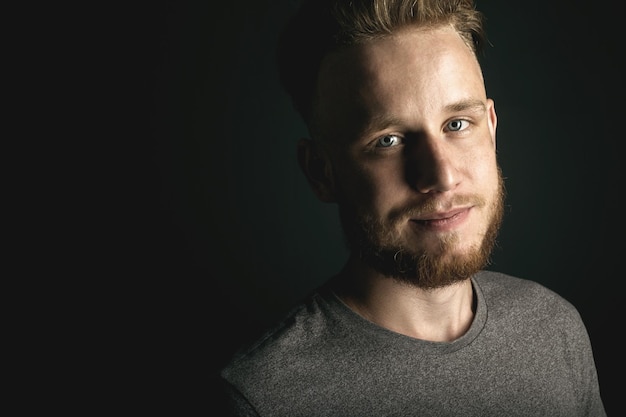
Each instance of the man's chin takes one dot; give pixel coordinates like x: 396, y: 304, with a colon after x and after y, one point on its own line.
x: 426, y: 270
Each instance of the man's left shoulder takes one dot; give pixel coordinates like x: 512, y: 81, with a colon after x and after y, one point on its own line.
x: 498, y: 287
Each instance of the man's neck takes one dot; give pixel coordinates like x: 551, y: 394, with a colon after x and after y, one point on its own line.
x: 438, y: 315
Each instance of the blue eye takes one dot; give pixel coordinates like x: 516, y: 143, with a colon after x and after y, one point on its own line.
x: 456, y: 125
x: 387, y: 141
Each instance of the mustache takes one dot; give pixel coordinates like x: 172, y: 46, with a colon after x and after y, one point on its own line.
x: 436, y: 204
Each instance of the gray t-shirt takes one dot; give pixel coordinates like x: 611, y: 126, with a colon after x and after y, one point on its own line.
x: 527, y: 353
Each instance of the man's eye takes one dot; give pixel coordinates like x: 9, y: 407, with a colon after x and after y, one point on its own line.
x: 387, y: 141
x: 458, y: 124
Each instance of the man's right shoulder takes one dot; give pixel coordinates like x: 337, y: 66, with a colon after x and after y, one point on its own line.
x: 300, y: 330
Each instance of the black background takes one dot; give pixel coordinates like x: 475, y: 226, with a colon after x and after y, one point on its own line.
x: 210, y: 230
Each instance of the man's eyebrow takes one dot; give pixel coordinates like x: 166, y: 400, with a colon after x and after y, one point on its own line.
x: 377, y: 123
x: 464, y: 105
x: 380, y: 122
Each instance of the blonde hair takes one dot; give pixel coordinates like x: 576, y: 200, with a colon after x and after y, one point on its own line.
x: 321, y: 27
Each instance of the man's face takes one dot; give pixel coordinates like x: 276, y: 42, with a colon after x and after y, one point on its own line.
x: 409, y: 138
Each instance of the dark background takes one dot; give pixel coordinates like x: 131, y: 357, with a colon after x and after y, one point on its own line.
x: 211, y: 232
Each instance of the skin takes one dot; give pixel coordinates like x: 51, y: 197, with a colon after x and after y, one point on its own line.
x: 407, y: 139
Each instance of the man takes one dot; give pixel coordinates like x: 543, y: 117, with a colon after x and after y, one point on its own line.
x: 403, y: 140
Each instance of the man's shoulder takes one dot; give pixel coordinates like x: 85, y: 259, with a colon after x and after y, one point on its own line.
x: 520, y: 294
x: 300, y: 330
x: 500, y: 282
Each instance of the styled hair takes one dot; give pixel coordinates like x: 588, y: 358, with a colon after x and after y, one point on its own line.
x: 321, y: 27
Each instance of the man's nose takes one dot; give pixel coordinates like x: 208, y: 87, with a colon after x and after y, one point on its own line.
x: 431, y: 165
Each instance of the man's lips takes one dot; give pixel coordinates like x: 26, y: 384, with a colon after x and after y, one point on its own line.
x: 443, y: 218
x: 440, y: 215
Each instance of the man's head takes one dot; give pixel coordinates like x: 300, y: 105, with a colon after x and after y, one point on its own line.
x: 403, y: 134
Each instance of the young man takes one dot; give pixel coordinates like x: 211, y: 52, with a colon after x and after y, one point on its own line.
x: 403, y: 140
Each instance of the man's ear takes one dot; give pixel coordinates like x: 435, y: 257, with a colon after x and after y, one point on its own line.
x: 317, y: 168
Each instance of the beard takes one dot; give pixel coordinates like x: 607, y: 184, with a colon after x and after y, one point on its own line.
x: 374, y: 242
